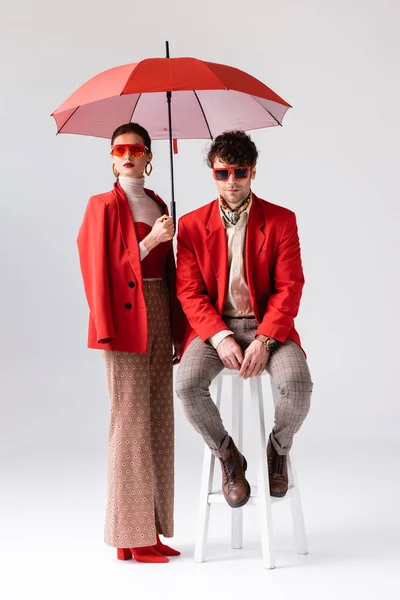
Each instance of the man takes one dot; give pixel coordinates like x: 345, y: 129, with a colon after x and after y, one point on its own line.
x: 239, y: 280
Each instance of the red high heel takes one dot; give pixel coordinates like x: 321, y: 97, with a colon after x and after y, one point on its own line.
x: 145, y: 554
x: 164, y: 549
x: 124, y: 554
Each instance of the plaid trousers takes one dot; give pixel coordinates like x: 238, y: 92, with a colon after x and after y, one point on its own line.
x: 287, y: 367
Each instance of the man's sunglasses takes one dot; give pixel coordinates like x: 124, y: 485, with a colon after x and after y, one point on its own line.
x: 225, y: 173
x: 134, y: 150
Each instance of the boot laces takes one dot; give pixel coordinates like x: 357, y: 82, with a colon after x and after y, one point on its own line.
x: 229, y: 470
x: 277, y: 466
x: 281, y: 465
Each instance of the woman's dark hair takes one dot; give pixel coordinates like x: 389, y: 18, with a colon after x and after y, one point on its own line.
x: 133, y: 128
x: 233, y: 148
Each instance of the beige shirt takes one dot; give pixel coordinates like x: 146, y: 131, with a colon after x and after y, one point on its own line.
x: 237, y: 301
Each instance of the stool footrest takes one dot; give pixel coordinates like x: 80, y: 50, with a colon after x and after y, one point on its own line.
x: 217, y: 497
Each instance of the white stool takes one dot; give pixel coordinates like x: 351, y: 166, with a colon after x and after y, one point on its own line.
x: 260, y: 494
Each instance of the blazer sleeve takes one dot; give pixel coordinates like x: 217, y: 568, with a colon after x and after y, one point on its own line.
x: 284, y: 301
x: 192, y: 291
x: 92, y: 247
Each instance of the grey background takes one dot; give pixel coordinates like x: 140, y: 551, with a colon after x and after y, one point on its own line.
x: 335, y: 163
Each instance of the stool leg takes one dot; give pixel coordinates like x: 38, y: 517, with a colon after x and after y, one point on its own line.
x: 237, y: 434
x: 206, y: 486
x: 264, y: 499
x: 300, y: 535
x: 296, y: 509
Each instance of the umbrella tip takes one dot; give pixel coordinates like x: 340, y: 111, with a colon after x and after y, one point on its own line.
x: 167, y: 49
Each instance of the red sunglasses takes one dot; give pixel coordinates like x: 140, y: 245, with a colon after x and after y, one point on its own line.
x: 134, y: 150
x: 224, y: 173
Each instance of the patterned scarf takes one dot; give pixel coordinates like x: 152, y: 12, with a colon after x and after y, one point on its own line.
x: 233, y: 216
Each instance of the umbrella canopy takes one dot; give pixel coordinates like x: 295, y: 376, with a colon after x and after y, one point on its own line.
x: 207, y: 98
x: 175, y: 98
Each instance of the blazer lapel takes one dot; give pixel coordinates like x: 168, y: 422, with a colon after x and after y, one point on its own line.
x: 255, y: 236
x: 217, y: 247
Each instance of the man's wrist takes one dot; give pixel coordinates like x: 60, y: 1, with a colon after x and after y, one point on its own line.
x: 263, y: 341
x: 217, y: 338
x: 261, y: 338
x: 270, y: 344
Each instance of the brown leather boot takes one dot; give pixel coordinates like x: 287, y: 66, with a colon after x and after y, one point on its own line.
x: 235, y: 487
x: 277, y: 471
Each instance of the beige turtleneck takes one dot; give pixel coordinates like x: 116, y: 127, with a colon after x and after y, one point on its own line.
x: 144, y: 209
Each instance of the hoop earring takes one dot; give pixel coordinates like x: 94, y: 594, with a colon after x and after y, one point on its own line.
x: 148, y: 171
x: 114, y: 170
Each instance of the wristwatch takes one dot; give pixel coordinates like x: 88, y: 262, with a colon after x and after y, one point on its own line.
x: 270, y: 344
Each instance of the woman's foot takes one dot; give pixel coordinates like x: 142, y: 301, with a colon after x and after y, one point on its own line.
x: 145, y: 554
x: 165, y: 550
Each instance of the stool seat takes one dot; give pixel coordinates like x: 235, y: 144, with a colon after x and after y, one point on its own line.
x: 260, y: 493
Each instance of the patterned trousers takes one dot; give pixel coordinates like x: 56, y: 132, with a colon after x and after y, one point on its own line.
x: 287, y: 367
x: 141, y: 437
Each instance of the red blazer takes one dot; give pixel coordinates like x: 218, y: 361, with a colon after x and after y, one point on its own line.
x: 273, y: 266
x: 112, y: 276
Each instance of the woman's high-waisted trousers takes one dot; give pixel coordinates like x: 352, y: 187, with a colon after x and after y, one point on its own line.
x: 141, y: 438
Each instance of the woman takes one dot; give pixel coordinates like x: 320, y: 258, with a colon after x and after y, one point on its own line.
x: 128, y: 268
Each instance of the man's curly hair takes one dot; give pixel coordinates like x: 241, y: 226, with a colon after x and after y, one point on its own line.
x: 233, y: 148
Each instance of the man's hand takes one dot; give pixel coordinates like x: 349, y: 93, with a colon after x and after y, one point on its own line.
x: 230, y: 353
x: 255, y: 359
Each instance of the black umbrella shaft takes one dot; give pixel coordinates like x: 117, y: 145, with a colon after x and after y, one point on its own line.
x: 171, y: 156
x: 171, y: 152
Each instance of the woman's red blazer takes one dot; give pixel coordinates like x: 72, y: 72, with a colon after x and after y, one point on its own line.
x: 112, y: 276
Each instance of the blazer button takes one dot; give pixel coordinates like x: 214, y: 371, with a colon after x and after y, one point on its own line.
x: 128, y: 305
x: 131, y: 284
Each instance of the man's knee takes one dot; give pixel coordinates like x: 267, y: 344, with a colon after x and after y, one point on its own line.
x: 297, y: 386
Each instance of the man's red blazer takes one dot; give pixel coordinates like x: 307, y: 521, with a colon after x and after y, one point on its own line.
x: 273, y: 267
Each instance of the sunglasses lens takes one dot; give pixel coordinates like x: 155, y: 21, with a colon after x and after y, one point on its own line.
x: 221, y: 174
x: 241, y: 173
x: 138, y: 150
x: 118, y: 151
x: 135, y: 150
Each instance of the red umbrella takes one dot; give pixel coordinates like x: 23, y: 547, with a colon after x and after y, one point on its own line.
x: 203, y: 99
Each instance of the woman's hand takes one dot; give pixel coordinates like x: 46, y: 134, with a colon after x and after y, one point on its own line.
x: 177, y: 353
x: 163, y: 231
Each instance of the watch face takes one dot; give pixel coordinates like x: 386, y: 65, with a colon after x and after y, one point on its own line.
x: 272, y: 344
